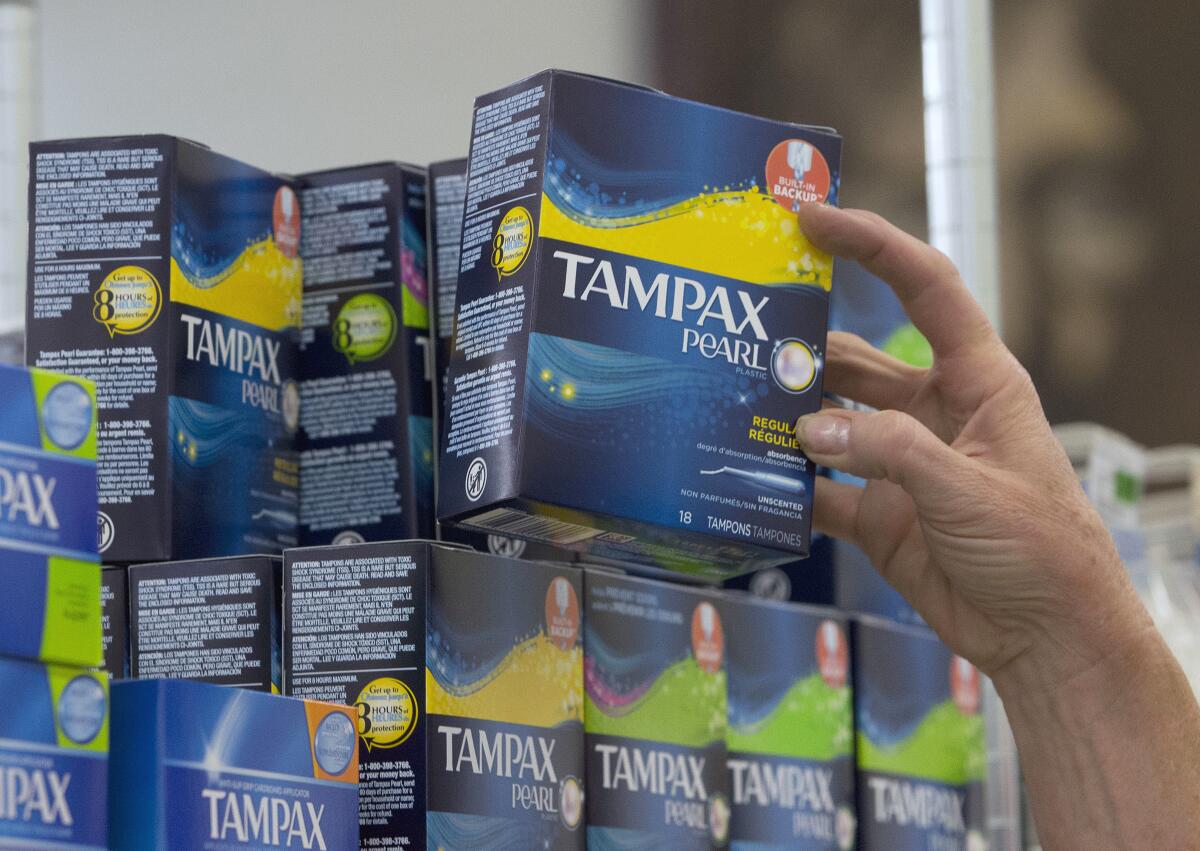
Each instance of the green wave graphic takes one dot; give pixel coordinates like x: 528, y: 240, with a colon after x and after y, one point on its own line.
x: 685, y: 706
x: 811, y: 721
x: 947, y: 747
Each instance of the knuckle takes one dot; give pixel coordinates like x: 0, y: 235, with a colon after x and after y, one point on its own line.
x: 898, y: 433
x: 841, y: 340
x: 1020, y: 375
x: 941, y: 267
x: 874, y: 218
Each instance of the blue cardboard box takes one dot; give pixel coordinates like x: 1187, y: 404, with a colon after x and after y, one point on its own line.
x: 920, y: 746
x: 366, y: 464
x: 54, y: 736
x: 466, y: 671
x: 215, y: 620
x: 655, y: 714
x: 791, y: 726
x: 170, y: 275
x: 639, y: 323
x: 201, y: 766
x: 50, y: 608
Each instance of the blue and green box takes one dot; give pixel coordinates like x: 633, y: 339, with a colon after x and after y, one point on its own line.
x: 50, y: 608
x: 201, y: 766
x: 791, y: 726
x: 921, y: 751
x: 639, y: 322
x: 54, y: 736
x: 655, y: 715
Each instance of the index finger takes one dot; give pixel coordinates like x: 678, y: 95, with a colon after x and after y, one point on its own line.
x: 927, y: 283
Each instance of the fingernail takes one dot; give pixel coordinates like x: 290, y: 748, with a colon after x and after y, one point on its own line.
x: 823, y: 434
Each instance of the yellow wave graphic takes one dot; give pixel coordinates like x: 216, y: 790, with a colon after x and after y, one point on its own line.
x: 740, y: 234
x: 536, y: 684
x: 263, y: 286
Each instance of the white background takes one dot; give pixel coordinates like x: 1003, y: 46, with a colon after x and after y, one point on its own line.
x: 294, y: 85
x: 287, y: 85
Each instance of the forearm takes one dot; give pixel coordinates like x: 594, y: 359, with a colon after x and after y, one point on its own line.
x: 1111, y: 756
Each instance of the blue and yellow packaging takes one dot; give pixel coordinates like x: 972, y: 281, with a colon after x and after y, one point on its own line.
x: 114, y: 621
x: 170, y: 275
x: 466, y: 671
x: 921, y: 749
x: 366, y: 466
x: 54, y: 736
x: 200, y: 766
x: 639, y: 324
x: 215, y: 620
x: 791, y: 726
x: 655, y: 715
x: 50, y: 608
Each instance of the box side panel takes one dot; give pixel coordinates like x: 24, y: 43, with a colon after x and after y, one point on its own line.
x: 235, y: 317
x: 481, y: 458
x: 417, y: 337
x: 99, y: 244
x: 361, y: 387
x: 114, y: 621
x: 447, y: 192
x: 210, y: 620
x: 354, y: 633
x: 135, y: 820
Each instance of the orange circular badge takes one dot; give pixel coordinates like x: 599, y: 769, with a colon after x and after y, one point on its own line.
x: 708, y: 639
x: 285, y: 218
x: 797, y: 172
x: 964, y: 685
x: 833, y: 656
x: 562, y: 613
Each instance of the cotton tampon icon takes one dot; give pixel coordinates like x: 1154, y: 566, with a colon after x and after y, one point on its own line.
x: 708, y: 620
x: 800, y: 159
x: 562, y: 596
x: 774, y: 481
x: 831, y: 636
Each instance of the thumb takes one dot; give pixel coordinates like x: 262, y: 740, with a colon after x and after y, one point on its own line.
x: 883, y: 445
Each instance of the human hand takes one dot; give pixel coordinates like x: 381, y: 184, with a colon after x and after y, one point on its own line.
x: 971, y: 510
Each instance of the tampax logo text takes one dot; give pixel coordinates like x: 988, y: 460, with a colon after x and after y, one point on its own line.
x: 27, y: 497
x: 920, y: 805
x: 265, y: 820
x: 527, y: 760
x: 728, y: 324
x: 239, y: 351
x: 792, y: 787
x: 807, y: 791
x: 37, y: 796
x: 678, y: 777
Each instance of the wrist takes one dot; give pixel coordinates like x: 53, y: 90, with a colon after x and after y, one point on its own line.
x: 1083, y: 623
x: 1077, y: 670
